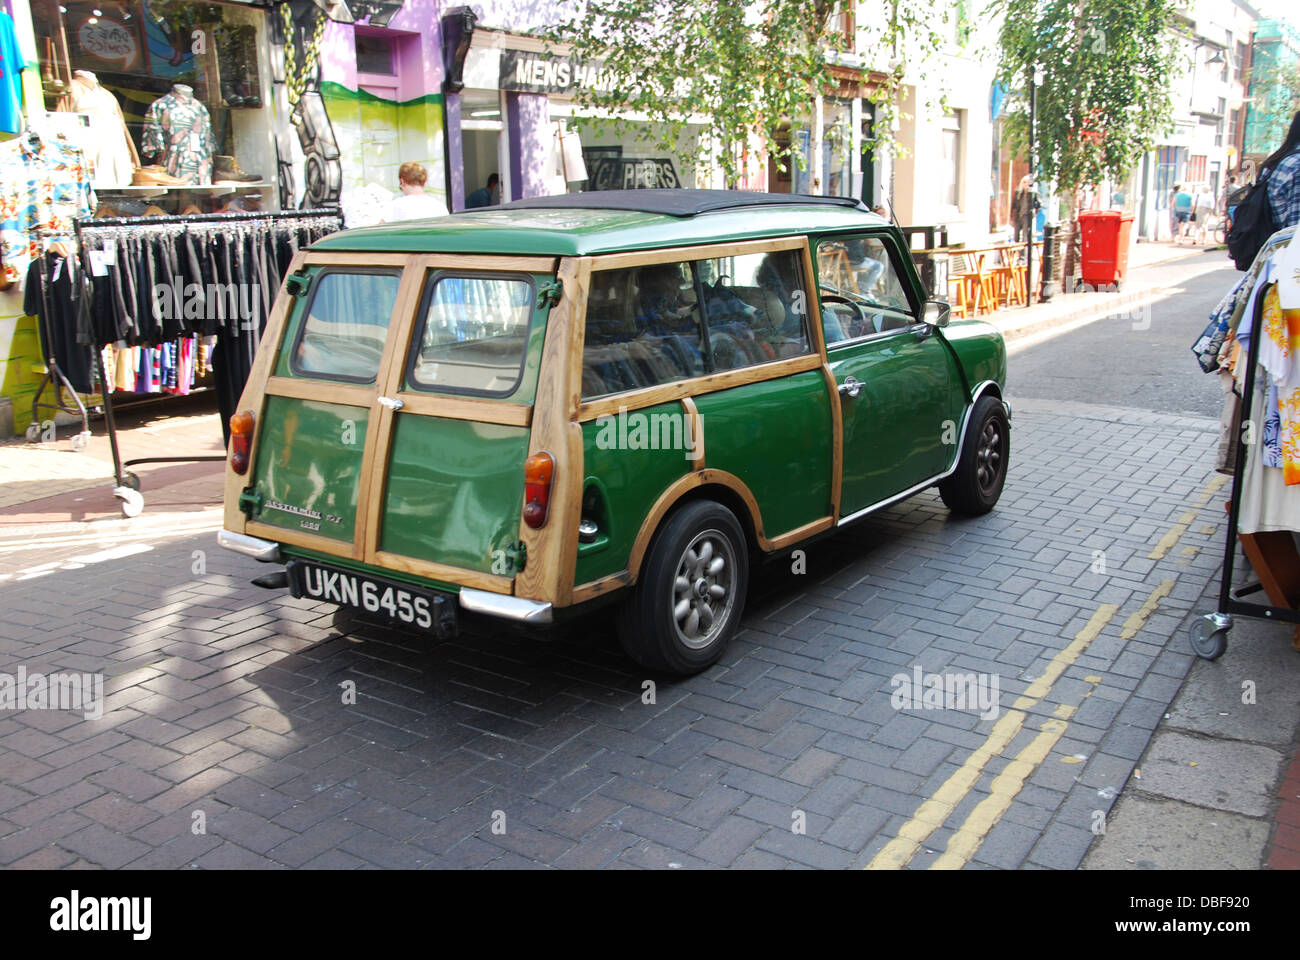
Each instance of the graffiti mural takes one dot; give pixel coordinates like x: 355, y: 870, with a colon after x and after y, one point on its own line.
x: 296, y: 38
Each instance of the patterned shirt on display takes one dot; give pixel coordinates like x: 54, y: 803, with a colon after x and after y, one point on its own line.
x: 44, y: 185
x: 178, y: 132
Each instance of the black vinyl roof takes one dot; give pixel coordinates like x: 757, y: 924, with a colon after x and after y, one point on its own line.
x: 674, y: 203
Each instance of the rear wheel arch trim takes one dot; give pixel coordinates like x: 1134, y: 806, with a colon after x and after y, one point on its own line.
x: 690, y: 487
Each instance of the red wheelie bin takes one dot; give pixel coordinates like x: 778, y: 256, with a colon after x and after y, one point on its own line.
x: 1105, y: 238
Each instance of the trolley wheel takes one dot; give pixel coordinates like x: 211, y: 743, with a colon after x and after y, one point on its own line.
x: 33, y: 432
x: 81, y: 440
x: 1208, y: 640
x: 129, y: 479
x: 132, y: 502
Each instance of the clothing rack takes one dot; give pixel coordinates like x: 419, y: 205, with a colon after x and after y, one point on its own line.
x: 1209, y: 634
x: 127, y: 484
x: 236, y: 217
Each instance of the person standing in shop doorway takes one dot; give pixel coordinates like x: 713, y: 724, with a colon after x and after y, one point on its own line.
x: 488, y: 196
x: 413, y: 203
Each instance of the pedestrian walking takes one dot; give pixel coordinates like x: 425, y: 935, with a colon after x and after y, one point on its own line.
x: 1282, y: 167
x: 1022, y: 208
x: 412, y: 203
x: 1204, y: 212
x: 1180, y: 203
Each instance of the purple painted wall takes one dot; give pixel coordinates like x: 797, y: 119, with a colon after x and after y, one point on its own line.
x: 421, y: 65
x: 528, y: 122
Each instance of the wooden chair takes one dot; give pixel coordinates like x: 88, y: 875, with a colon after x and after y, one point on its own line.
x: 1009, y: 275
x: 965, y: 273
x: 834, y: 267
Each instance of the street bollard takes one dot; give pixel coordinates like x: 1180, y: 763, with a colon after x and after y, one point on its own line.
x: 1049, y: 288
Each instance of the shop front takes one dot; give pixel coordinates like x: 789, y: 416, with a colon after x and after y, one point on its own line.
x: 146, y: 125
x: 513, y: 111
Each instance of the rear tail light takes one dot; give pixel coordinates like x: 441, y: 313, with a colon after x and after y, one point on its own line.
x: 539, y: 469
x: 241, y: 440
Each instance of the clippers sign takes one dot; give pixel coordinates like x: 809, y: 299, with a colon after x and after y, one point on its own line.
x: 525, y: 72
x: 620, y: 173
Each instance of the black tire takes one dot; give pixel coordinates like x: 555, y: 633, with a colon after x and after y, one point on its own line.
x: 648, y: 622
x: 976, y: 484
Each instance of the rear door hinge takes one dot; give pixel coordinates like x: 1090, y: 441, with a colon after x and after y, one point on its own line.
x: 297, y: 284
x: 549, y: 294
x: 250, y: 502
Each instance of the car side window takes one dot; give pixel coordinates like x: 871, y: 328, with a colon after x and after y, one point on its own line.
x: 643, y: 329
x: 861, y: 290
x: 645, y: 325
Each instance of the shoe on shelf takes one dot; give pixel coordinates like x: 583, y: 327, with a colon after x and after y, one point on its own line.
x: 156, y: 176
x: 227, y: 170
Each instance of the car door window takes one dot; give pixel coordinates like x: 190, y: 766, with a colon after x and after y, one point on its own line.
x: 756, y: 307
x: 862, y: 292
x: 474, y: 335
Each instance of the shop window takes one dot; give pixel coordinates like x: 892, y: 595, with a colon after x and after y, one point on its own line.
x: 950, y: 182
x: 186, y: 78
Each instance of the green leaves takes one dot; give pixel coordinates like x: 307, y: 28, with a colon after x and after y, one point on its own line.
x: 746, y: 70
x: 1104, y: 99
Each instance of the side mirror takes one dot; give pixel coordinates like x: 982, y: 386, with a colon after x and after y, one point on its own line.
x: 936, y: 313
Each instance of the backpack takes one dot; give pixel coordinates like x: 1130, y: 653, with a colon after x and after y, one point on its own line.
x: 1252, y: 224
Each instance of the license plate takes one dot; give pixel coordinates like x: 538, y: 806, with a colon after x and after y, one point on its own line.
x: 400, y: 602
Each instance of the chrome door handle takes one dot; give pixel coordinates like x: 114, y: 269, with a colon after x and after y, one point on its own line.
x: 851, y: 386
x: 392, y: 403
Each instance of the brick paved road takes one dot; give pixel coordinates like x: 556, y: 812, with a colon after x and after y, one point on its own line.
x: 225, y: 700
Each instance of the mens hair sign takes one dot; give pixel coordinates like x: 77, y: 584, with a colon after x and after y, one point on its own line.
x: 541, y: 73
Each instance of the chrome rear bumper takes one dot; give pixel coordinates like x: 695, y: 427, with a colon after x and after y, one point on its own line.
x: 263, y: 550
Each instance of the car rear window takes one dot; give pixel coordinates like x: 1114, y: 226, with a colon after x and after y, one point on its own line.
x: 342, y: 337
x: 474, y: 335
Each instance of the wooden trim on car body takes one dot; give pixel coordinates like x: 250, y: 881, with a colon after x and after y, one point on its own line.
x: 552, y: 550
x: 253, y: 396
x: 667, y: 500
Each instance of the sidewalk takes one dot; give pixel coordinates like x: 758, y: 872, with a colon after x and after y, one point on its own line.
x: 48, y: 488
x: 1024, y: 326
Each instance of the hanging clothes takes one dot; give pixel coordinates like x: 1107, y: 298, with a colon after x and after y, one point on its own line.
x: 44, y: 186
x: 57, y: 296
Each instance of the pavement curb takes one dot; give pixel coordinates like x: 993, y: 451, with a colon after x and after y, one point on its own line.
x: 189, y: 521
x: 1013, y: 334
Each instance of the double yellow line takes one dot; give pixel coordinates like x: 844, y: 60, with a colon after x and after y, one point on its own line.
x: 934, y: 812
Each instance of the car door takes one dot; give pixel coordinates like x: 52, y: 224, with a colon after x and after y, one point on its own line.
x: 898, y: 383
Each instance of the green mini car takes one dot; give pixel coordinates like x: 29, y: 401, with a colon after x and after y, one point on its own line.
x: 613, y: 398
